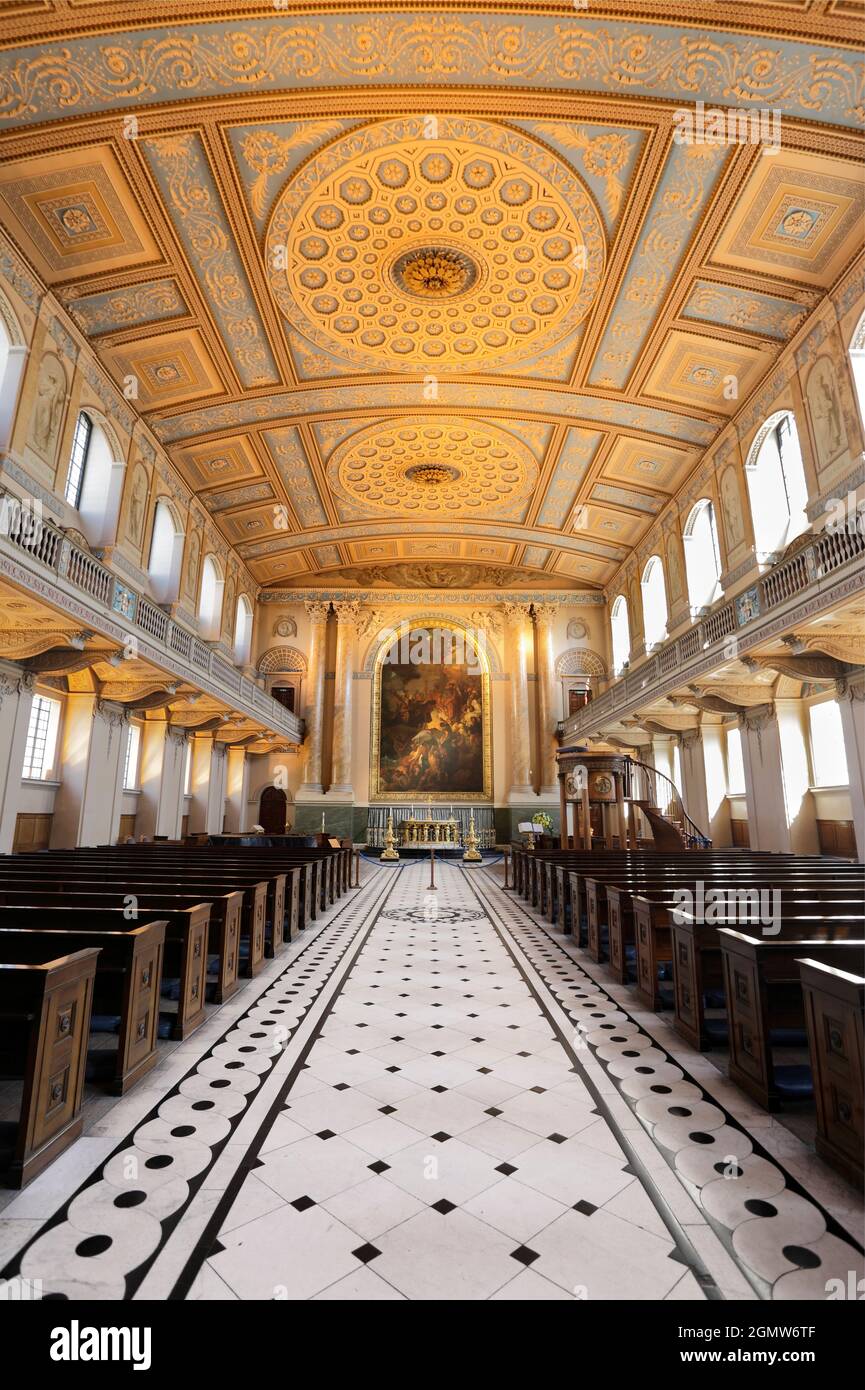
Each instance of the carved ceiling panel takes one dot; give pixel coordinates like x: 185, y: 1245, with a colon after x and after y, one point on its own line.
x: 427, y: 284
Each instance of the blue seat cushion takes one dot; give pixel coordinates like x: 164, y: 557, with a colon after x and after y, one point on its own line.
x: 717, y: 1031
x: 794, y: 1082
x: 170, y: 988
x: 714, y: 999
x: 105, y: 1023
x: 788, y: 1037
x: 665, y: 993
x: 665, y: 970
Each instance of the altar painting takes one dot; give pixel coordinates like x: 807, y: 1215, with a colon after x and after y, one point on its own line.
x: 431, y: 738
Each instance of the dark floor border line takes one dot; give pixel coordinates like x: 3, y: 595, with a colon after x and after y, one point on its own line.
x: 833, y: 1226
x: 169, y: 1224
x: 247, y: 1163
x: 688, y: 1254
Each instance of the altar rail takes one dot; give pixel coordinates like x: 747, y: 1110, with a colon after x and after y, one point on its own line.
x: 484, y: 822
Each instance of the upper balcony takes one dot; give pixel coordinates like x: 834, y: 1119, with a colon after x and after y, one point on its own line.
x: 823, y: 570
x: 42, y: 559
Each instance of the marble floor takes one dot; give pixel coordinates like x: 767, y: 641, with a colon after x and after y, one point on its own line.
x: 427, y: 1098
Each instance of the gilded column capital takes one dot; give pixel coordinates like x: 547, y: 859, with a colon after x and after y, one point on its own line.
x: 515, y: 616
x: 348, y: 614
x: 317, y: 613
x: 544, y: 613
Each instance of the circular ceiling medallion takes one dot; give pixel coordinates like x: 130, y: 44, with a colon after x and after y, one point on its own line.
x: 479, y: 245
x: 434, y: 466
x: 434, y: 272
x: 432, y: 474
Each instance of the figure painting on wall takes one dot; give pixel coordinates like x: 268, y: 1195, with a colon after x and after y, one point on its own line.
x: 826, y: 415
x: 192, y: 557
x: 731, y: 509
x: 674, y: 569
x: 48, y: 407
x: 137, y: 501
x: 431, y: 734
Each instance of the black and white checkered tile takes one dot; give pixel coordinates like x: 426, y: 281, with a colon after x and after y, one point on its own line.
x: 781, y: 1239
x: 438, y: 1143
x: 102, y: 1243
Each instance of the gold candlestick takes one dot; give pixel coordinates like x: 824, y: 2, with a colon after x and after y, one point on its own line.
x: 390, y: 852
x: 471, y: 855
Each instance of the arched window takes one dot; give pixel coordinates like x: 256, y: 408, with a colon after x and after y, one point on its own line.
x: 166, y: 554
x: 13, y: 358
x: 702, y: 555
x: 242, y: 630
x: 621, y: 633
x: 776, y: 484
x: 210, y: 602
x: 857, y: 362
x: 654, y: 602
x: 94, y: 480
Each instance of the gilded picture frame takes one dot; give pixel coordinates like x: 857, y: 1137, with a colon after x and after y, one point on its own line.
x: 378, y: 790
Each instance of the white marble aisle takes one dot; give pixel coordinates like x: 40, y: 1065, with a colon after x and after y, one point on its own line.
x: 438, y: 1143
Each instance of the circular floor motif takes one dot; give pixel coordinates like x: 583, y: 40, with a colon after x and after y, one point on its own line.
x: 442, y: 914
x: 437, y: 465
x: 450, y: 246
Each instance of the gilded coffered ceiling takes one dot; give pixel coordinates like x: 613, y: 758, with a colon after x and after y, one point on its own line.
x: 431, y: 285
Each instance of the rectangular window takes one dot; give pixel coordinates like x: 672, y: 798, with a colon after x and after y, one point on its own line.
x: 130, y: 767
x: 187, y: 769
x: 41, y: 744
x: 735, y: 765
x: 828, y: 758
x: 77, y: 459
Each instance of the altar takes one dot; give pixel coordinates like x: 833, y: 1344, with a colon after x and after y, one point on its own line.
x: 424, y: 832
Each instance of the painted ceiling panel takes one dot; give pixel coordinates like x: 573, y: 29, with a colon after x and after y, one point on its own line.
x: 371, y: 332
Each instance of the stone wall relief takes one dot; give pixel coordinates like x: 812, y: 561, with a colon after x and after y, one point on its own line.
x: 731, y: 509
x: 49, y: 404
x: 674, y: 570
x: 826, y: 411
x: 191, y: 565
x: 136, y: 512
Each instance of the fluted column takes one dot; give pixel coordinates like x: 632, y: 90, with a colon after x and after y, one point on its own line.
x: 516, y: 622
x: 314, y: 708
x: 544, y: 614
x: 346, y: 618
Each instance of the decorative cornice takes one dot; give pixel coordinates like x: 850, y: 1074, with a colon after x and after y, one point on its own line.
x: 410, y: 597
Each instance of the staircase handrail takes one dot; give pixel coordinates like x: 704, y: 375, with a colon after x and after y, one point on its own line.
x: 693, y: 834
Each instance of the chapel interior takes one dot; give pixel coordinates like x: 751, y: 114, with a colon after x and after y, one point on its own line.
x: 432, y: 651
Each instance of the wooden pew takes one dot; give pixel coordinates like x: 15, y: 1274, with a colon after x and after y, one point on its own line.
x: 764, y: 992
x: 545, y: 883
x: 653, y: 918
x: 833, y: 1001
x: 186, y: 937
x: 302, y: 847
x: 696, y: 951
x: 223, y: 936
x: 128, y: 974
x: 45, y: 1004
x: 156, y: 880
x: 610, y: 902
x: 282, y: 920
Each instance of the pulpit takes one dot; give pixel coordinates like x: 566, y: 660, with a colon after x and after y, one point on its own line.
x: 594, y: 784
